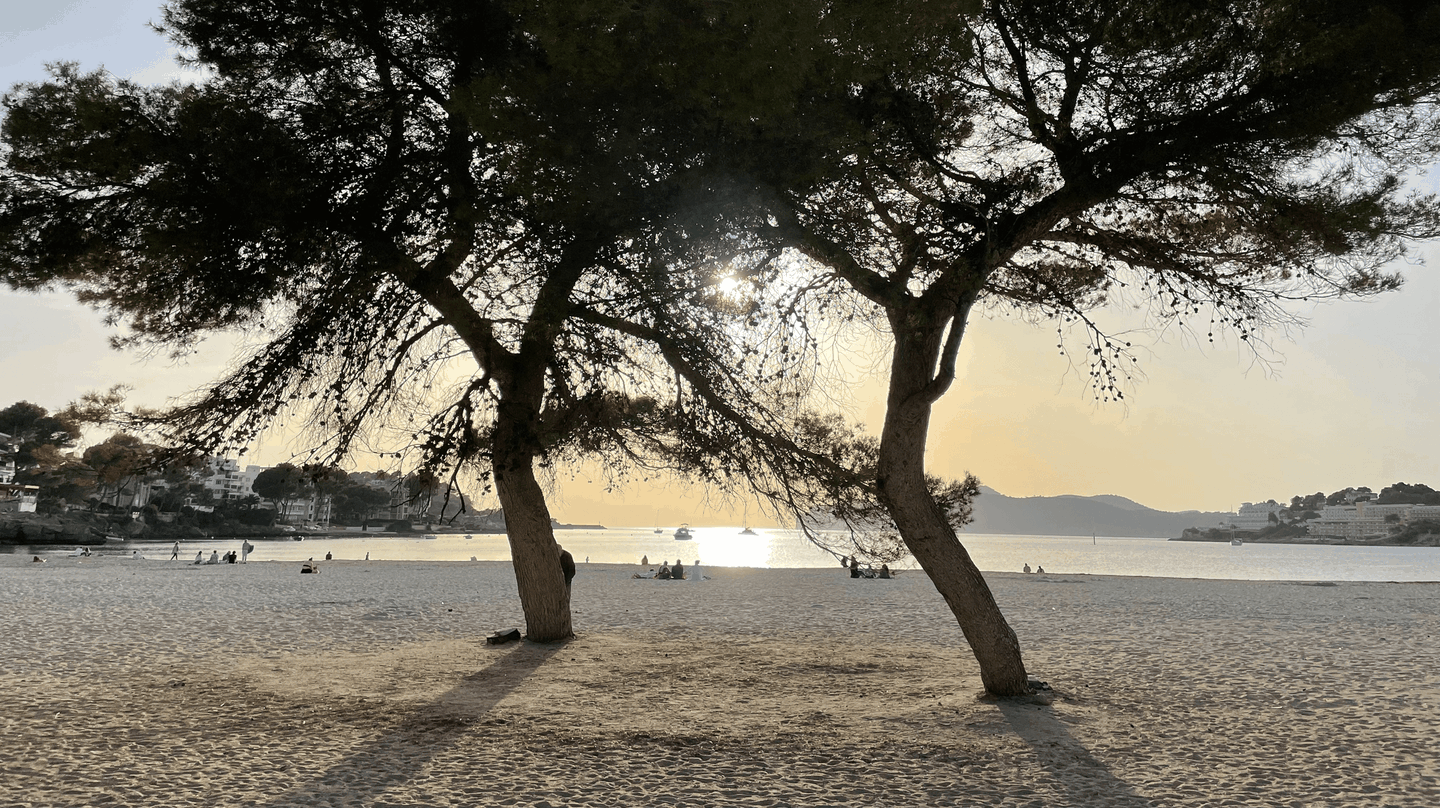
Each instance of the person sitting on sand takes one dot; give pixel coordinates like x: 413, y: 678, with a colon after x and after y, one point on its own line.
x: 199, y: 556
x: 664, y: 573
x: 1039, y: 570
x: 644, y: 560
x: 328, y: 556
x: 884, y: 570
x: 1027, y: 569
x: 854, y: 567
x: 214, y: 557
x: 677, y: 573
x: 37, y: 560
x: 567, y: 566
x: 308, y: 568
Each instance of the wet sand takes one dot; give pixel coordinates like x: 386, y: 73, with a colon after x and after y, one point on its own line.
x: 161, y: 683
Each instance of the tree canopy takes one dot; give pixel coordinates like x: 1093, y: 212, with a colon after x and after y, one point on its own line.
x: 1408, y: 494
x: 1205, y: 163
x: 282, y: 485
x: 451, y: 228
x: 31, y: 426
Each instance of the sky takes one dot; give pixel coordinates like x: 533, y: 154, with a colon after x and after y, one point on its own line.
x: 1353, y: 400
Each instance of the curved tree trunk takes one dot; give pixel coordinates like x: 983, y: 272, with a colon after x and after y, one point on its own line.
x: 901, y: 480
x: 544, y: 597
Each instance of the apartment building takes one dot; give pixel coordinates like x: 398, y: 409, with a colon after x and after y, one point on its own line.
x: 1367, y: 519
x: 1255, y: 515
x: 8, y: 449
x: 224, y: 479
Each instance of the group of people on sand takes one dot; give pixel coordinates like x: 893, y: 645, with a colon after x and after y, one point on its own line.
x: 858, y: 570
x: 1038, y: 569
x: 667, y: 572
x: 231, y: 557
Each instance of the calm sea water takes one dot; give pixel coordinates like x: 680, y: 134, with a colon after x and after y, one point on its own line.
x: 726, y: 547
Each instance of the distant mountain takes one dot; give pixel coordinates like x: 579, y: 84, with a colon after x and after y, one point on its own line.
x: 1120, y: 502
x: 1104, y: 515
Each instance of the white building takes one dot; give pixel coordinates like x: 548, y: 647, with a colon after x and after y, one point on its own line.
x: 223, y: 478
x: 8, y: 449
x: 1424, y: 512
x: 1255, y: 515
x: 1366, y: 519
x: 16, y: 498
x: 1370, y: 510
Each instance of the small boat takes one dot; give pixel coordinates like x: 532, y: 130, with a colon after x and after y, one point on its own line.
x: 1236, y: 542
x: 431, y: 536
x: 748, y: 532
x: 467, y: 537
x: 684, y: 534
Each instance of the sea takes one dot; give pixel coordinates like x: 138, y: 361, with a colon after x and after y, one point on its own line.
x: 780, y: 548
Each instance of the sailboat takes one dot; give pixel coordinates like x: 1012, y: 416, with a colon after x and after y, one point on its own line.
x: 658, y: 529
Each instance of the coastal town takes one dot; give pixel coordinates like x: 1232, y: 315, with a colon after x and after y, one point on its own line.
x: 123, y: 487
x: 1402, y: 514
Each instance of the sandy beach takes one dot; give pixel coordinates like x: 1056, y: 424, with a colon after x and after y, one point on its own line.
x: 143, y: 683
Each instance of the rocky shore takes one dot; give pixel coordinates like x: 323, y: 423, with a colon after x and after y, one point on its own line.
x: 84, y: 528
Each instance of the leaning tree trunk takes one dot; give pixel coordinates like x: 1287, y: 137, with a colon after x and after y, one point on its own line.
x: 544, y: 597
x: 927, y: 533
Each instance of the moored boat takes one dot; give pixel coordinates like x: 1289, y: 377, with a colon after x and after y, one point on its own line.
x: 684, y: 534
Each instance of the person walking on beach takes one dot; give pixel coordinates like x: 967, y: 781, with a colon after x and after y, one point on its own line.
x: 175, y: 552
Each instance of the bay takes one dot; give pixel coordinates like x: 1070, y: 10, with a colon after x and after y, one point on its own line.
x: 778, y: 548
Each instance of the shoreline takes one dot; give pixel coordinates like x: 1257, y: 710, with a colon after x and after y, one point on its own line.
x: 371, y: 683
x: 1428, y: 541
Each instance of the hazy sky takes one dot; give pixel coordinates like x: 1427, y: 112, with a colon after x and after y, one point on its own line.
x: 1354, y: 402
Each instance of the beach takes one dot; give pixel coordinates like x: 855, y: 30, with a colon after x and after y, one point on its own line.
x: 370, y: 684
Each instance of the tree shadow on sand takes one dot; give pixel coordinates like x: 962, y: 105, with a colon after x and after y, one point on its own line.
x: 1073, y: 770
x: 403, y: 748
